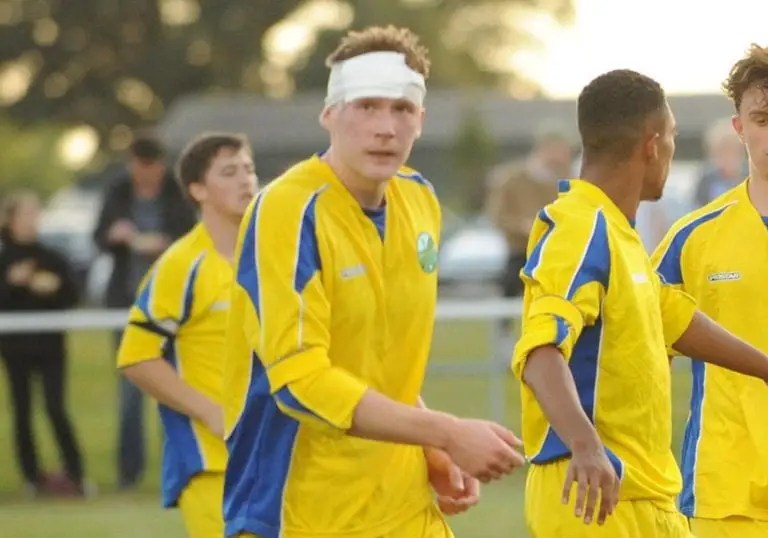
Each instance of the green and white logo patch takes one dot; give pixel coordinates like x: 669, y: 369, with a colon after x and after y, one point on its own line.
x: 427, y: 252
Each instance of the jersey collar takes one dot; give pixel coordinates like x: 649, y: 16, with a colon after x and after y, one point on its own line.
x: 595, y: 195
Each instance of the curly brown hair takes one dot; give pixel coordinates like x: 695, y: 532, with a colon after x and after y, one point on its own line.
x: 379, y: 39
x: 751, y: 71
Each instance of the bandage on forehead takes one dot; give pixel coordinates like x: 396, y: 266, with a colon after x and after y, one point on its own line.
x: 375, y: 75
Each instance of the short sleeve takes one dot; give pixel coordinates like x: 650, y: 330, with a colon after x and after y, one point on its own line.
x: 566, y: 276
x: 163, y: 305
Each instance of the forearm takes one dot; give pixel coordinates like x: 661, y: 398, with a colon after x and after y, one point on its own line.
x: 707, y: 341
x: 380, y: 418
x: 546, y: 373
x: 158, y: 379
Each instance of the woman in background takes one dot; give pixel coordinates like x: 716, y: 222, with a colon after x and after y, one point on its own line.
x: 35, y: 278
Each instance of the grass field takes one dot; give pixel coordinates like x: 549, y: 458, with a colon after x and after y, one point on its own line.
x: 92, y: 397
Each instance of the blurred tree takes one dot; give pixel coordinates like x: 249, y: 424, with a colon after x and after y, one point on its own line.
x: 25, y: 160
x: 116, y: 64
x: 473, y: 152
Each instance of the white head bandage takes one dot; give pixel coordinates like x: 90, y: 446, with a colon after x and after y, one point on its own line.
x: 375, y: 74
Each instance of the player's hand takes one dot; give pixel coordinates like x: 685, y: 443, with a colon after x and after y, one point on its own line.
x: 150, y: 244
x: 121, y: 232
x: 44, y: 283
x: 595, y: 477
x: 20, y: 273
x: 482, y: 449
x: 456, y: 491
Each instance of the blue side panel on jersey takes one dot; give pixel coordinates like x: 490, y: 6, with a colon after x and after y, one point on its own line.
x: 691, y: 441
x: 181, y: 454
x: 260, y: 453
x: 308, y: 259
x: 583, y: 366
x: 247, y: 270
x: 535, y: 258
x: 670, y: 270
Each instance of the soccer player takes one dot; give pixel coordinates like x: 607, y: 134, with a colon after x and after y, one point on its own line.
x: 331, y: 325
x: 171, y: 348
x: 718, y: 255
x: 597, y: 324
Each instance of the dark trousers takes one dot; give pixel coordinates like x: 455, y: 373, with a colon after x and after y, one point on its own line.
x: 21, y: 369
x: 131, y: 444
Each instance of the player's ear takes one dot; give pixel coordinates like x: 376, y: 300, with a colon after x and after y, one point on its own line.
x: 652, y: 146
x: 738, y: 126
x: 422, y: 117
x: 198, y: 192
x: 325, y: 118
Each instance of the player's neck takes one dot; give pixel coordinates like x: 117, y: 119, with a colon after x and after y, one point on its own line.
x: 758, y: 190
x: 618, y: 183
x: 368, y: 193
x: 223, y: 232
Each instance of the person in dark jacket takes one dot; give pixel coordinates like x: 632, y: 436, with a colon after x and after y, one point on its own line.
x: 144, y: 211
x: 35, y: 278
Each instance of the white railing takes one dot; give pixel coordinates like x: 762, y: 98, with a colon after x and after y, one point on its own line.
x: 495, y: 367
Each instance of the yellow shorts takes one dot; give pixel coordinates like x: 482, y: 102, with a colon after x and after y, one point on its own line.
x: 427, y: 524
x: 547, y: 517
x: 201, y: 506
x: 732, y: 527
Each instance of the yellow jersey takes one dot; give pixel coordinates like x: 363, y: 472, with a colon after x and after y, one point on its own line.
x: 591, y: 291
x: 180, y: 315
x: 718, y: 254
x: 329, y: 300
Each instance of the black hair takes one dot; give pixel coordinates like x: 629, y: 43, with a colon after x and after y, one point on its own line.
x: 613, y: 112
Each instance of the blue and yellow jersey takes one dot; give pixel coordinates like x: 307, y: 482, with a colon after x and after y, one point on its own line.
x: 591, y: 291
x: 180, y: 316
x: 329, y: 301
x: 719, y: 254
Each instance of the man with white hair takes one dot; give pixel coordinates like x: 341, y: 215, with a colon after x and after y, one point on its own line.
x: 331, y: 323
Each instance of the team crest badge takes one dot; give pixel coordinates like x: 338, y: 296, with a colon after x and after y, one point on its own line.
x: 427, y: 252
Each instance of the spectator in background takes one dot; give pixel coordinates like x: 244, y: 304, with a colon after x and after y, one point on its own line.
x: 727, y: 163
x: 144, y: 212
x: 519, y: 189
x: 35, y: 278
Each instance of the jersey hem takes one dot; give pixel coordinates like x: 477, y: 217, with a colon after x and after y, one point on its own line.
x: 254, y: 525
x: 718, y: 512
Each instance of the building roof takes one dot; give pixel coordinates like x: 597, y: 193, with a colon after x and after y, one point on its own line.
x: 280, y: 125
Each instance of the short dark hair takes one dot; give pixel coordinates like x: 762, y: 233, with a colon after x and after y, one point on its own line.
x: 200, y: 152
x: 613, y: 111
x: 147, y: 147
x: 750, y: 71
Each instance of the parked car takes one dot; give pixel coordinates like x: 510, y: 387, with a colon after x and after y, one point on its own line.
x: 67, y: 223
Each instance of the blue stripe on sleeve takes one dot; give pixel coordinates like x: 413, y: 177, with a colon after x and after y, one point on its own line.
x: 533, y: 261
x: 595, y: 264
x: 308, y: 255
x: 418, y: 178
x: 247, y: 266
x: 670, y: 269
